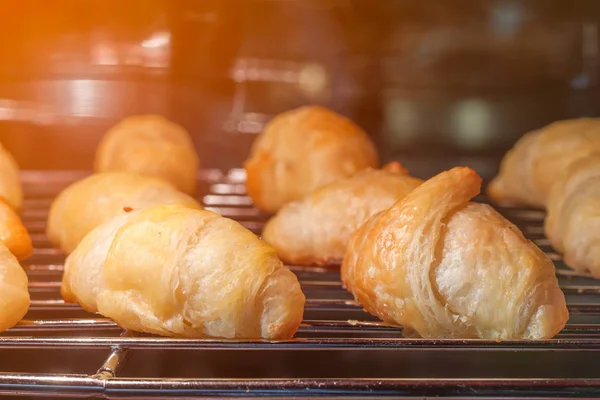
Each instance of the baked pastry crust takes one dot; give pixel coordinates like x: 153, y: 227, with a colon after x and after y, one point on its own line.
x: 573, y: 221
x: 14, y: 294
x: 530, y: 169
x: 150, y: 145
x: 13, y: 233
x: 316, y: 229
x: 302, y: 150
x: 443, y: 267
x: 96, y: 199
x: 10, y: 181
x: 176, y: 271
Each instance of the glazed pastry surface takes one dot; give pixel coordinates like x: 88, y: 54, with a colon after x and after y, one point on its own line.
x: 150, y: 145
x: 96, y: 199
x: 302, y: 150
x: 14, y: 294
x: 573, y: 220
x: 540, y: 158
x: 175, y: 271
x: 13, y: 233
x: 316, y: 229
x: 443, y: 267
x: 10, y: 182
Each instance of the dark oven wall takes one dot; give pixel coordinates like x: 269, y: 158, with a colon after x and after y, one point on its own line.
x: 424, y: 78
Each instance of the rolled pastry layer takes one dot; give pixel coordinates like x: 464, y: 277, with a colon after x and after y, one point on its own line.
x: 573, y: 219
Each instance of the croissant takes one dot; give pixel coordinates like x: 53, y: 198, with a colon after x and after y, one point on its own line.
x: 538, y: 159
x: 443, y: 267
x: 302, y: 150
x: 573, y: 223
x: 10, y: 182
x: 175, y: 271
x: 150, y: 145
x: 14, y: 295
x: 86, y: 204
x: 317, y: 228
x: 13, y: 233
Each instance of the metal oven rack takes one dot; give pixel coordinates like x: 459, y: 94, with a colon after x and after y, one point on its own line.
x: 60, y: 351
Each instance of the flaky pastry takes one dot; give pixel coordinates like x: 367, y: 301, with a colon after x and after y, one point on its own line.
x: 317, y: 228
x: 14, y: 295
x: 530, y: 169
x: 175, y: 271
x: 302, y: 150
x: 573, y: 220
x: 87, y: 203
x: 150, y: 145
x: 443, y: 267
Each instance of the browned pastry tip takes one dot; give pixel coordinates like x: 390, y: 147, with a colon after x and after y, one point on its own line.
x: 13, y: 233
x: 395, y: 167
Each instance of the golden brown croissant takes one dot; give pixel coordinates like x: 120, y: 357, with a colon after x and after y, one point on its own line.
x: 10, y: 182
x: 444, y: 267
x: 302, y: 150
x: 150, y: 145
x: 13, y: 233
x: 573, y: 220
x: 539, y: 158
x: 14, y: 295
x: 86, y: 204
x: 176, y: 271
x: 317, y: 228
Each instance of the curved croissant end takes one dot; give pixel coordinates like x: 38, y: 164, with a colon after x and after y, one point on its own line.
x: 13, y: 233
x: 444, y: 267
x: 573, y: 220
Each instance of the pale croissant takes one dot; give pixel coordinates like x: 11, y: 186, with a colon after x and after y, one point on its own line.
x: 573, y: 219
x: 96, y: 199
x: 317, y: 228
x: 14, y: 294
x: 176, y: 271
x: 150, y: 145
x: 302, y: 150
x: 530, y: 169
x: 444, y: 267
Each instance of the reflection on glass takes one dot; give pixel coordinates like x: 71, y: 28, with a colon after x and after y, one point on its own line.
x: 157, y: 40
x: 401, y: 119
x: 473, y: 123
